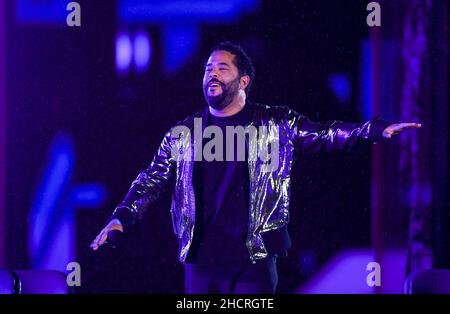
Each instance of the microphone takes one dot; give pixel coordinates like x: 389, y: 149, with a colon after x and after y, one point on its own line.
x: 115, y: 238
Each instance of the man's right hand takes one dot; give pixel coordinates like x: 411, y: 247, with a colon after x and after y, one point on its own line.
x: 114, y: 224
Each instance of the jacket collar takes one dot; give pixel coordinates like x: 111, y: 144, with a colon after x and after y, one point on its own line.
x: 252, y: 107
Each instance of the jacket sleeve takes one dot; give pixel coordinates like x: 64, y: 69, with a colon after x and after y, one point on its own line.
x: 147, y: 186
x: 310, y: 136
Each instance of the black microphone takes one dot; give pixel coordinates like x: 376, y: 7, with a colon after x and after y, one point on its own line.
x: 115, y: 238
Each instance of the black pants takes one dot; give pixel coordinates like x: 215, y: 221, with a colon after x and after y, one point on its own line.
x: 258, y: 278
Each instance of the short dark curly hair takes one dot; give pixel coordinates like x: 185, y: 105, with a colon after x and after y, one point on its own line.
x: 241, y: 60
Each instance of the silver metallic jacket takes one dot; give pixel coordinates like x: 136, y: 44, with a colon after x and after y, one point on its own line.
x: 269, y: 190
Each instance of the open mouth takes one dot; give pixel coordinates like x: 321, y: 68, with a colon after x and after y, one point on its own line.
x: 214, y: 84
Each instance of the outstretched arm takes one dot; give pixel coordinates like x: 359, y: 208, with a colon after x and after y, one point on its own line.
x: 147, y: 186
x: 143, y: 191
x: 311, y: 136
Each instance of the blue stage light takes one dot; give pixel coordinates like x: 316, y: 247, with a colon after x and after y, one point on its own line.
x: 52, y: 220
x: 341, y: 87
x: 41, y: 12
x: 124, y: 52
x: 180, y: 21
x: 142, y: 51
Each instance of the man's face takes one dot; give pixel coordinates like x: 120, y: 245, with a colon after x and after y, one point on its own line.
x: 221, y: 79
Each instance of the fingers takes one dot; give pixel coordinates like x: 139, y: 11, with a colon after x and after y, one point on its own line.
x: 398, y: 128
x: 94, y: 244
x: 99, y: 240
x: 402, y: 126
x: 103, y: 236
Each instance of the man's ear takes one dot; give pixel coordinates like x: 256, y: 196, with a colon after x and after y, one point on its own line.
x: 244, y: 81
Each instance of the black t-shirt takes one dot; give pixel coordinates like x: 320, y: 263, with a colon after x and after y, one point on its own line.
x: 222, y: 209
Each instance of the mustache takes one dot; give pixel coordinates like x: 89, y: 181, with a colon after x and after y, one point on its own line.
x: 214, y: 80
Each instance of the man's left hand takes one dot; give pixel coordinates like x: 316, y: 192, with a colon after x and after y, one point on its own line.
x: 397, y: 128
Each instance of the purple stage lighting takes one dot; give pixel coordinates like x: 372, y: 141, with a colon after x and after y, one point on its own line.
x: 142, y: 51
x: 124, y: 52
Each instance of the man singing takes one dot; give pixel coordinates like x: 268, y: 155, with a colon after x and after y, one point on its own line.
x: 230, y: 202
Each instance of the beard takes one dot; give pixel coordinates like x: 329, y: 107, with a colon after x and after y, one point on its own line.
x: 229, y: 92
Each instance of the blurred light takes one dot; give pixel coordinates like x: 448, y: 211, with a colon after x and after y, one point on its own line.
x: 52, y: 219
x: 346, y: 273
x: 390, y: 54
x: 183, y: 11
x: 142, y: 51
x: 341, y: 87
x: 88, y: 195
x: 41, y: 12
x: 46, y: 211
x: 124, y: 52
x: 366, y: 81
x: 180, y: 44
x: 180, y: 21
